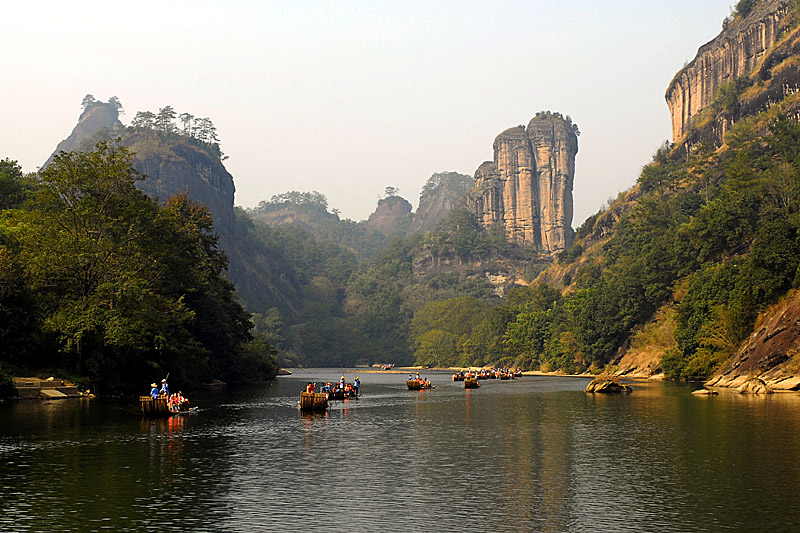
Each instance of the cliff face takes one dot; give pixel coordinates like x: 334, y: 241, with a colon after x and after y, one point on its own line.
x: 436, y: 203
x: 93, y: 122
x: 391, y: 217
x: 528, y: 186
x: 170, y: 164
x: 738, y: 51
x: 771, y: 353
x: 175, y: 166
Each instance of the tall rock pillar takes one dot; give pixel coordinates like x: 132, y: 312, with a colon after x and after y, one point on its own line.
x: 528, y: 186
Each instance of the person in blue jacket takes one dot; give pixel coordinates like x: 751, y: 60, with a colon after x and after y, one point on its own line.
x: 154, y: 391
x: 164, y: 387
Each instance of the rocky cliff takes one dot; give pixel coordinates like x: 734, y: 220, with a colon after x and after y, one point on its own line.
x: 170, y: 163
x: 740, y: 50
x: 173, y: 164
x: 528, y: 186
x: 95, y: 124
x: 443, y: 192
x: 771, y: 353
x: 391, y: 217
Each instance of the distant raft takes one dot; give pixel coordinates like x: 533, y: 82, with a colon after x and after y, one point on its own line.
x: 471, y: 383
x: 313, y: 401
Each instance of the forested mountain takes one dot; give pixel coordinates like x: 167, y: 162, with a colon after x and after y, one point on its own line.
x: 674, y: 274
x: 688, y: 273
x: 98, y: 279
x: 310, y: 212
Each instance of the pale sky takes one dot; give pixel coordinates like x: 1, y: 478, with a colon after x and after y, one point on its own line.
x: 347, y: 98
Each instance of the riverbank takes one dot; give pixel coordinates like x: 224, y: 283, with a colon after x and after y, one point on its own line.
x: 33, y: 388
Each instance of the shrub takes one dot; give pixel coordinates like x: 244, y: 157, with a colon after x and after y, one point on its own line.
x: 7, y: 388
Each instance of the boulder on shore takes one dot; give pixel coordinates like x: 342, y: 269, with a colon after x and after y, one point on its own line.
x: 705, y: 392
x: 607, y: 385
x: 754, y: 386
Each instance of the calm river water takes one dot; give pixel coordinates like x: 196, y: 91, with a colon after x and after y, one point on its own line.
x: 533, y: 454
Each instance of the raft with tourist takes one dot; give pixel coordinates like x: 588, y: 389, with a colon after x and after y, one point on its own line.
x: 161, y: 403
x: 418, y: 383
x: 316, y: 399
x: 471, y: 383
x: 313, y: 401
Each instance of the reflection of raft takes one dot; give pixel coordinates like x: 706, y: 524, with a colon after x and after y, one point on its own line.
x: 471, y: 383
x: 313, y: 401
x: 418, y: 384
x: 158, y: 406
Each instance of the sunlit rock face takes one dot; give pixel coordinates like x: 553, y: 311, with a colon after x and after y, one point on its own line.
x: 737, y: 51
x: 528, y: 186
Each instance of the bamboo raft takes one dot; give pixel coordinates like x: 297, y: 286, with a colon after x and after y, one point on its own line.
x: 158, y: 407
x: 154, y: 406
x: 471, y: 383
x: 417, y: 384
x: 313, y: 401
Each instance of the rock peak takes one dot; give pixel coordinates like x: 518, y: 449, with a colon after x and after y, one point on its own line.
x: 528, y: 186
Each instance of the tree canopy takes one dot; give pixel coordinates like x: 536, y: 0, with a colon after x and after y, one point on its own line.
x: 119, y: 288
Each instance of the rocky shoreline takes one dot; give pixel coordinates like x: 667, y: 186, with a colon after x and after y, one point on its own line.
x: 33, y: 388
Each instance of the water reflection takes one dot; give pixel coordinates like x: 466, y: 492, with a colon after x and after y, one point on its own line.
x: 166, y: 443
x: 531, y: 454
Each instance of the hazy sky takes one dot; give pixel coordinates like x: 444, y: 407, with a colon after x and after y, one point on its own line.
x: 347, y: 98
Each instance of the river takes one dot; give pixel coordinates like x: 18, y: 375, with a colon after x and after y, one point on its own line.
x: 532, y: 454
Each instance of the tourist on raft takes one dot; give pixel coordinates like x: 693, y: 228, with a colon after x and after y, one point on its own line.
x: 176, y: 401
x: 154, y: 391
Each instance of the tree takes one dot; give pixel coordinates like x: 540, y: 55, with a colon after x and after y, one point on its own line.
x: 144, y: 120
x: 85, y: 253
x: 388, y: 192
x: 187, y: 120
x: 12, y: 184
x: 164, y: 118
x: 88, y: 101
x: 118, y: 284
x: 116, y: 104
x: 205, y: 130
x: 457, y: 182
x: 438, y: 326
